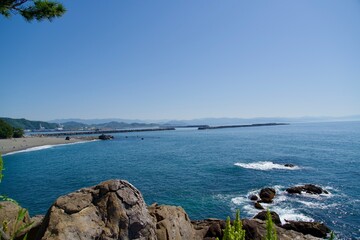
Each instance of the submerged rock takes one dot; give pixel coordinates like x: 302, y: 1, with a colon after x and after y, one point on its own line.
x: 308, y: 188
x: 253, y: 198
x: 289, y: 165
x: 267, y: 195
x: 257, y: 205
x: 111, y: 210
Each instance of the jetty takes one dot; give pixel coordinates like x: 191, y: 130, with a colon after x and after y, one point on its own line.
x: 72, y: 133
x: 240, y: 126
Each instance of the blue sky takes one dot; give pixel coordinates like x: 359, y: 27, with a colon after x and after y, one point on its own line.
x: 183, y: 59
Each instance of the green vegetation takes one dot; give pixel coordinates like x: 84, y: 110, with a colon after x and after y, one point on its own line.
x: 28, y: 124
x: 8, y: 131
x: 234, y: 232
x: 270, y: 228
x: 332, y: 236
x: 32, y: 9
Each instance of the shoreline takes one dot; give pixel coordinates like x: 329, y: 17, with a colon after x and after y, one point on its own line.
x: 16, y: 145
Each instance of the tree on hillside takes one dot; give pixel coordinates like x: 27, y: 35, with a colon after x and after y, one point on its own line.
x: 32, y: 9
x: 6, y: 131
x: 18, y: 133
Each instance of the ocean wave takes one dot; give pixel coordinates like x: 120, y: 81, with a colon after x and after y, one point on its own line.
x: 317, y: 205
x: 265, y: 166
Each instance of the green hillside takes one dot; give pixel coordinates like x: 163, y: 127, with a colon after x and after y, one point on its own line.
x: 28, y: 124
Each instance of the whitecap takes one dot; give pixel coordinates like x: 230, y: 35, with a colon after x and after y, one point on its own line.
x: 317, y: 205
x: 239, y: 200
x: 265, y: 166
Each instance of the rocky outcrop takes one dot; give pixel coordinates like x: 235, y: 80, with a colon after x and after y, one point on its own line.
x: 308, y: 188
x: 257, y: 205
x: 111, y: 210
x: 267, y: 195
x: 172, y: 223
x: 253, y: 198
x: 116, y: 210
x: 8, y: 216
x: 256, y: 230
x: 105, y: 137
x: 313, y: 228
x: 263, y: 216
x: 209, y: 228
x: 9, y: 213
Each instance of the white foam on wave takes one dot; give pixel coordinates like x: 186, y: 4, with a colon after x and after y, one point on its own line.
x: 265, y: 166
x: 317, y: 205
x: 286, y: 213
x: 44, y: 147
x: 239, y: 200
x: 281, y: 205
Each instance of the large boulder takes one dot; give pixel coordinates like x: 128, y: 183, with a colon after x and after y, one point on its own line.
x: 8, y: 216
x: 313, y: 228
x: 172, y: 223
x: 267, y: 195
x: 308, y: 188
x: 114, y: 209
x: 263, y: 216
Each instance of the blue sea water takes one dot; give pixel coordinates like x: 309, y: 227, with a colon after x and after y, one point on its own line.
x: 209, y: 173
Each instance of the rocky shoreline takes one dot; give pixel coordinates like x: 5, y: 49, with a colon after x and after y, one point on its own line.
x: 115, y: 209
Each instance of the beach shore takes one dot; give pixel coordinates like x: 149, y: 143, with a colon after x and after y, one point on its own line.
x: 19, y: 144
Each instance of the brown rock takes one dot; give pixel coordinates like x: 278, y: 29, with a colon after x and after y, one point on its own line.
x: 209, y: 228
x: 253, y: 198
x: 274, y: 216
x: 267, y: 195
x: 257, y: 205
x: 308, y: 188
x: 172, y: 223
x: 255, y: 229
x: 9, y: 213
x: 315, y: 229
x: 111, y: 210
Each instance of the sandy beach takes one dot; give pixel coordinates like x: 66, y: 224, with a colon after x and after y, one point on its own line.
x: 18, y: 144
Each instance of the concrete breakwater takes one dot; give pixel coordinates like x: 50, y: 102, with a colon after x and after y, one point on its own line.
x: 246, y: 125
x: 58, y: 134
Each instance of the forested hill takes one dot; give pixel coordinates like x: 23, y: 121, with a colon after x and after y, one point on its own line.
x: 28, y: 124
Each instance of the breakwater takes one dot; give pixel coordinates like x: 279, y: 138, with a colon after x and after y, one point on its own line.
x: 239, y: 126
x: 58, y: 134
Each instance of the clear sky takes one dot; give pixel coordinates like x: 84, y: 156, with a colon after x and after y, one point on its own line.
x: 183, y: 59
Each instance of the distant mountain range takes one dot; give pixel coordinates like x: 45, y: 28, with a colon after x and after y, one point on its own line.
x: 116, y: 123
x: 212, y: 121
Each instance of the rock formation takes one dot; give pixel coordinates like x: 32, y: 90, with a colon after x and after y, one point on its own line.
x: 267, y: 195
x: 172, y: 222
x: 313, y: 228
x: 111, y: 210
x: 116, y: 210
x: 308, y: 188
x: 274, y: 216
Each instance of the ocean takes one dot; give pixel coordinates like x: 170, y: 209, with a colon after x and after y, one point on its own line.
x: 210, y: 173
